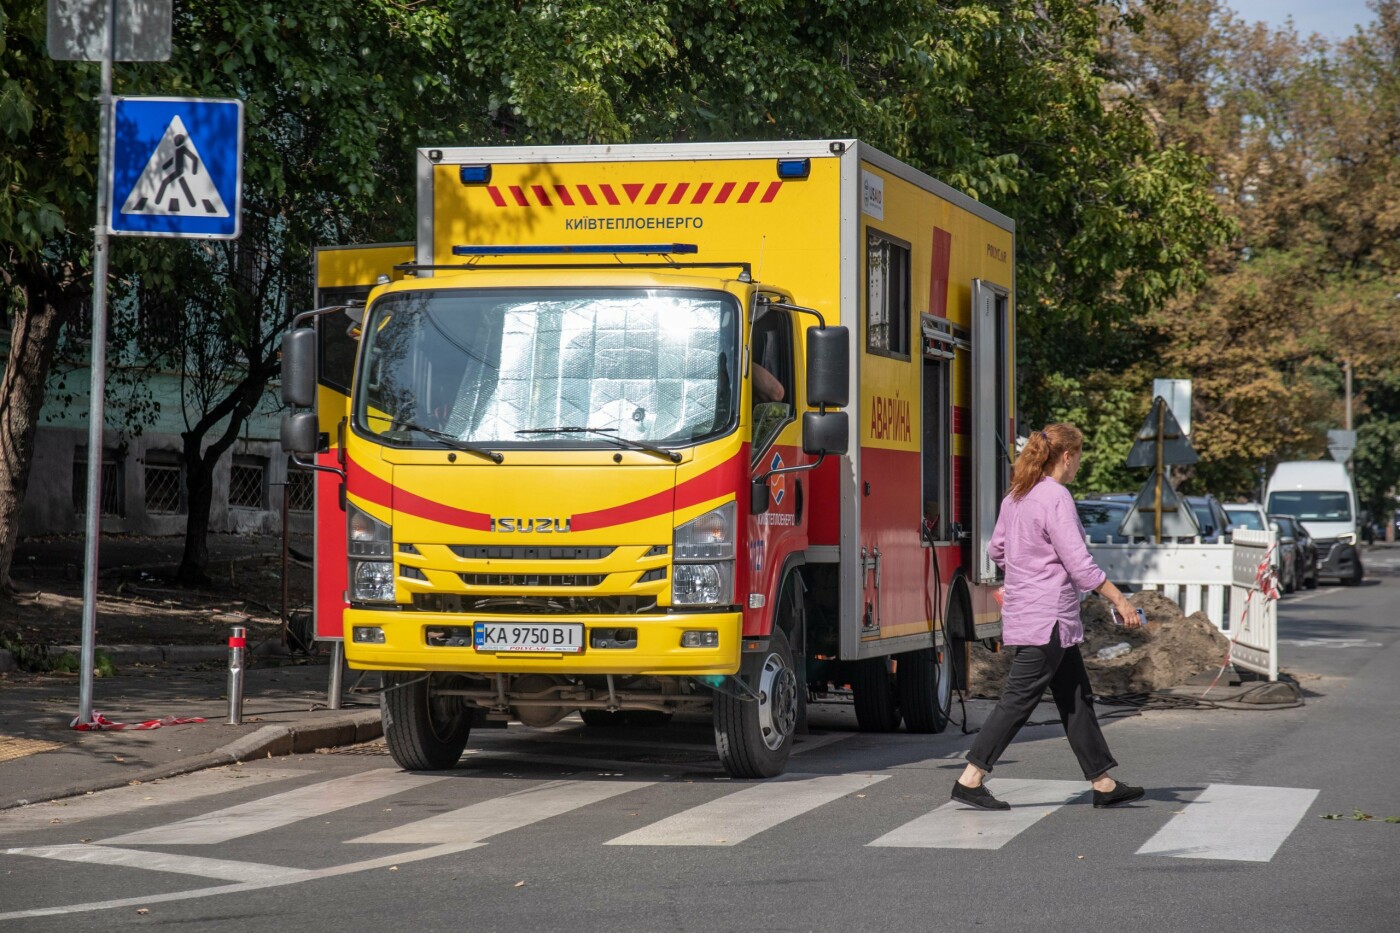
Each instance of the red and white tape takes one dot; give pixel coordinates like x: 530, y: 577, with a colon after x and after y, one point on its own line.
x: 101, y: 723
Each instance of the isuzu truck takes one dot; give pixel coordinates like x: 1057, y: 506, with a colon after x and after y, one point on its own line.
x: 635, y: 430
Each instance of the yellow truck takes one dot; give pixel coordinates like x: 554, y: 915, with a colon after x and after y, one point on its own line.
x: 633, y: 430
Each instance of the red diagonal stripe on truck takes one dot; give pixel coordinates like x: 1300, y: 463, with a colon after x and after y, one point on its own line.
x: 608, y: 193
x: 724, y: 190
x: 541, y: 195
x: 362, y: 484
x: 519, y: 196
x: 772, y: 192
x: 700, y: 192
x: 587, y: 194
x: 749, y: 189
x: 709, y: 485
x: 564, y: 197
x: 633, y: 191
x: 496, y: 195
x: 656, y: 191
x: 679, y: 192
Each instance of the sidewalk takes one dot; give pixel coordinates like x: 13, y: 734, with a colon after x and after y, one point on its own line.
x: 284, y: 712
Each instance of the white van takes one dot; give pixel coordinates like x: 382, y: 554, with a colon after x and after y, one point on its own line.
x: 1319, y: 493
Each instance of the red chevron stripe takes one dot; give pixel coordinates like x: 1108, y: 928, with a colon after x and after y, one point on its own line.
x: 724, y: 192
x: 656, y: 191
x: 749, y: 189
x: 608, y: 193
x: 541, y: 195
x: 633, y: 191
x: 587, y: 194
x: 563, y: 192
x: 679, y: 192
x: 701, y: 192
x: 365, y: 485
x: 496, y: 195
x: 711, y: 484
x: 772, y: 192
x: 519, y: 196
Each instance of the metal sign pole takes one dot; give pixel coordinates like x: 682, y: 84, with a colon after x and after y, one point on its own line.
x: 98, y: 385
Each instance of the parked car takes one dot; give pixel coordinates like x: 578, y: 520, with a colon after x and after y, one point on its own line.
x: 1287, y: 551
x: 1211, y: 517
x: 1251, y: 515
x: 1101, y: 518
x: 1305, y: 569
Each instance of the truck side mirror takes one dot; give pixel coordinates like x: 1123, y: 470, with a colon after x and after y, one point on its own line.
x: 299, y: 368
x: 300, y: 433
x: 829, y: 366
x: 825, y: 432
x: 758, y: 496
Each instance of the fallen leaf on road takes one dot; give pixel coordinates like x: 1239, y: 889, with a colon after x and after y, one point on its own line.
x: 520, y: 884
x: 143, y: 910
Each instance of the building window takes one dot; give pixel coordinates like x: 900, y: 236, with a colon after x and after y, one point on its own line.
x: 112, y: 499
x: 887, y: 301
x: 164, y: 487
x: 301, y: 489
x: 247, y: 483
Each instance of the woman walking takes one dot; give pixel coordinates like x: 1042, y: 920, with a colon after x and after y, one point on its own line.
x: 1039, y: 544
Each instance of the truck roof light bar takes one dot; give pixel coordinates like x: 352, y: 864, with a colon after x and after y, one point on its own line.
x: 628, y: 249
x: 475, y: 174
x: 794, y: 168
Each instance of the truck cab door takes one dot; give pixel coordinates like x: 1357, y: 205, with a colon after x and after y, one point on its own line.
x: 993, y: 427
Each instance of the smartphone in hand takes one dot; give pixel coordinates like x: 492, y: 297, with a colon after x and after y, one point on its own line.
x: 1118, y: 620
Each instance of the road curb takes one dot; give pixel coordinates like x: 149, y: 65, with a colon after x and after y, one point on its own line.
x: 267, y: 742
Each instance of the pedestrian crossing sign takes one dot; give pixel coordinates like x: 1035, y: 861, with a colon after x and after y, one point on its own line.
x: 177, y: 167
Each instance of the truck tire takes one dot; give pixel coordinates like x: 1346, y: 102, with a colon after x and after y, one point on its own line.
x: 925, y: 684
x: 755, y: 736
x: 424, y: 730
x: 877, y: 702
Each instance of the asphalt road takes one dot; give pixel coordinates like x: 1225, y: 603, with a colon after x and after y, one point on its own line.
x: 581, y: 829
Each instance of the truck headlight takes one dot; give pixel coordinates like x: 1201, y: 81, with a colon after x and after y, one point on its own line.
x: 372, y: 581
x: 704, y: 559
x: 368, y: 536
x: 1348, y: 538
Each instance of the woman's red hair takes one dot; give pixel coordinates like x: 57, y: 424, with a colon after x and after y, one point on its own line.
x: 1041, y: 453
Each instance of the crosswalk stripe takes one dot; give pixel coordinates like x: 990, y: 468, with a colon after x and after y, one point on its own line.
x: 125, y: 800
x: 1232, y: 822
x: 493, y: 817
x: 733, y: 818
x: 217, y: 868
x: 958, y: 826
x: 279, y: 810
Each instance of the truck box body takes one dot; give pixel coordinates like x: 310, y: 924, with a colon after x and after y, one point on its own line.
x: 610, y: 407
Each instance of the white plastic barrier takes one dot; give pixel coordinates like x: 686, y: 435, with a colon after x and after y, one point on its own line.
x: 1195, y: 576
x: 1221, y: 579
x: 1253, y: 612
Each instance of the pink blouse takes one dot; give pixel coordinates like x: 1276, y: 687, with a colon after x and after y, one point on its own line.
x: 1039, y: 544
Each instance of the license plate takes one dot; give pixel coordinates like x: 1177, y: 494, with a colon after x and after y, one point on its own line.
x: 528, y: 636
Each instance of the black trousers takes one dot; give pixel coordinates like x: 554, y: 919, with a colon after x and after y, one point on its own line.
x: 1033, y: 668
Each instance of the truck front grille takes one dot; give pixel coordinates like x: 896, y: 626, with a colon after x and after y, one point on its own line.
x: 533, y: 579
x: 476, y: 552
x: 533, y: 605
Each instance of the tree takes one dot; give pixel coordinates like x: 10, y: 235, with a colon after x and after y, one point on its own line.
x: 48, y: 123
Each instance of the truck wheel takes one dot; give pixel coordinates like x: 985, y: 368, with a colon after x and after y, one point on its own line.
x: 925, y: 685
x: 425, y: 731
x: 877, y: 703
x: 755, y: 736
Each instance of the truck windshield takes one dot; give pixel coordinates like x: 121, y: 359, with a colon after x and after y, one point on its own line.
x: 1310, y: 506
x: 536, y: 367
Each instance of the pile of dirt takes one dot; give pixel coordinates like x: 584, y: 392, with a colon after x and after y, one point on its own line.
x: 1170, y: 649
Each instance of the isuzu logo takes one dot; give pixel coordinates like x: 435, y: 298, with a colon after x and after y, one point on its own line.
x: 540, y: 526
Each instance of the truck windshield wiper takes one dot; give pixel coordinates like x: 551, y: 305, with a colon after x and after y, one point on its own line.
x: 447, y: 440
x: 609, y: 433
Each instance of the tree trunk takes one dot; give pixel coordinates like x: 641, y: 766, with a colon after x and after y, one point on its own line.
x: 241, y: 402
x: 46, y: 304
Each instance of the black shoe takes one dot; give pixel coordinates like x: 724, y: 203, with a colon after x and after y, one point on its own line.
x: 1121, y: 794
x: 978, y: 797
